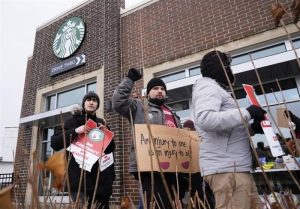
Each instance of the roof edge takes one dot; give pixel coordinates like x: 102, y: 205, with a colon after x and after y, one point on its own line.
x: 63, y: 14
x: 137, y: 7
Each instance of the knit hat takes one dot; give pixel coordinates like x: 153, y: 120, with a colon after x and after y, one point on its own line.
x: 189, y: 124
x: 90, y: 95
x: 211, y: 67
x: 155, y: 82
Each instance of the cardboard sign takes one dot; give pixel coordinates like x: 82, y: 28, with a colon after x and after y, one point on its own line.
x: 282, y: 120
x: 266, y: 125
x: 176, y: 149
x: 87, y: 149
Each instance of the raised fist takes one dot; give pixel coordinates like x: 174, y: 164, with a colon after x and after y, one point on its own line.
x: 134, y: 74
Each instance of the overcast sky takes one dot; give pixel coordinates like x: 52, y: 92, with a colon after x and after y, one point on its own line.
x: 18, y: 22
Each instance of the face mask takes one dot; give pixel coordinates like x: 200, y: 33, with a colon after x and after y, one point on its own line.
x: 212, y: 68
x: 230, y: 75
x: 220, y: 76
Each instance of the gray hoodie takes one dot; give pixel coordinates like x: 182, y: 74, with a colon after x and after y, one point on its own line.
x: 225, y: 145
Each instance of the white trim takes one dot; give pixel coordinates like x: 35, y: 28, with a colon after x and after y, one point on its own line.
x: 136, y: 7
x: 39, y: 116
x: 238, y: 46
x: 288, y: 45
x: 265, y: 61
x: 187, y: 72
x: 69, y: 83
x: 239, y: 68
x: 63, y: 14
x: 182, y: 82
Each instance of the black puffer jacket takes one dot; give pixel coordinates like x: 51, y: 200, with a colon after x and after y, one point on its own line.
x: 106, y: 177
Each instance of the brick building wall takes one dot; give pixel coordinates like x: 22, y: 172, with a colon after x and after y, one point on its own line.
x: 24, y: 142
x: 101, y: 47
x: 170, y: 29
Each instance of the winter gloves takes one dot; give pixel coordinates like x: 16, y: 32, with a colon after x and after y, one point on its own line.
x: 256, y: 112
x: 134, y: 74
x: 256, y: 127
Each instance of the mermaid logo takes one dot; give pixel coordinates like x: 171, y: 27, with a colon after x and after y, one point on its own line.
x: 96, y: 135
x: 69, y: 37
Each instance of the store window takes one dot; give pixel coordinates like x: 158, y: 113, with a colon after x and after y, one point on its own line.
x: 188, y: 72
x: 268, y: 51
x: 51, y: 102
x: 182, y: 108
x: 194, y: 71
x: 45, y: 180
x: 273, y: 94
x: 275, y: 100
x: 173, y: 77
x: 265, y: 52
x: 296, y: 43
x: 91, y: 87
x: 72, y: 96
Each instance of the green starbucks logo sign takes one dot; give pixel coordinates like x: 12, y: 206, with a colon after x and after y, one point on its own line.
x: 69, y: 37
x: 96, y: 135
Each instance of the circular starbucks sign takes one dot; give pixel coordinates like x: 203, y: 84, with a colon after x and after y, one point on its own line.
x: 69, y: 37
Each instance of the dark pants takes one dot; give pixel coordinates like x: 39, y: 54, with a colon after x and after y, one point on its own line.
x: 159, y: 190
x: 203, y: 190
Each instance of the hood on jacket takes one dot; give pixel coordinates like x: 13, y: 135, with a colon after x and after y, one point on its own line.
x: 211, y: 67
x: 77, y: 110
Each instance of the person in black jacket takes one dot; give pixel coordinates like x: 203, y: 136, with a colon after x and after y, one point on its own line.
x: 74, y: 126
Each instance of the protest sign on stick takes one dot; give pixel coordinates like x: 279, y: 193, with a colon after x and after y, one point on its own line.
x: 266, y: 125
x: 87, y: 149
x: 176, y: 149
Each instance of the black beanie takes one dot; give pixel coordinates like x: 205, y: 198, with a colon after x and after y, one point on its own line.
x: 211, y: 67
x: 155, y: 82
x: 89, y: 95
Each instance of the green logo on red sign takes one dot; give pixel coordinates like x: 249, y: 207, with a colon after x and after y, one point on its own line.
x: 96, y: 135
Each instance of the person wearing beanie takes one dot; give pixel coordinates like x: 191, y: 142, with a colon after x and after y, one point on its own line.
x: 225, y: 153
x: 211, y: 67
x: 159, y: 113
x: 189, y: 124
x: 73, y: 127
x: 91, y: 96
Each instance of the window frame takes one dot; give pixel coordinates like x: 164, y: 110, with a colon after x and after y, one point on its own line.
x: 56, y: 94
